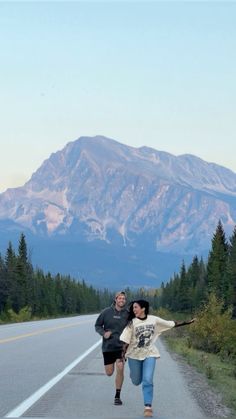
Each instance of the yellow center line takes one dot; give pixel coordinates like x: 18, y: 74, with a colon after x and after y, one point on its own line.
x: 39, y: 332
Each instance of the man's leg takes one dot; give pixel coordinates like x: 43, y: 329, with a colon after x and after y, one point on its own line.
x: 119, y: 373
x: 119, y: 380
x: 109, y: 369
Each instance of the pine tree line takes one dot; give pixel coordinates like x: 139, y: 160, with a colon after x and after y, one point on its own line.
x: 42, y: 294
x: 46, y: 295
x: 191, y: 288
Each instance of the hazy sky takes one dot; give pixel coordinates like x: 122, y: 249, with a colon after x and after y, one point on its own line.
x: 161, y: 74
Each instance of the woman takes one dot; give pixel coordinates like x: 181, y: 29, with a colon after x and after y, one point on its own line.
x: 139, y: 338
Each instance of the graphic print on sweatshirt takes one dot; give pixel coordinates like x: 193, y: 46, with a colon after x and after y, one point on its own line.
x: 143, y: 335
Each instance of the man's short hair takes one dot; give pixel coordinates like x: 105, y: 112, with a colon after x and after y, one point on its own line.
x: 120, y: 293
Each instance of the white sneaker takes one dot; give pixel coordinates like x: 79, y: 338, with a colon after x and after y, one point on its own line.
x: 148, y: 413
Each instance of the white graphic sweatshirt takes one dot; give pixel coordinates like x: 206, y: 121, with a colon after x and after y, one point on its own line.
x: 141, y: 336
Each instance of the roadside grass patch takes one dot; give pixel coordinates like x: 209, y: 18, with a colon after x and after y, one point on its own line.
x: 221, y: 373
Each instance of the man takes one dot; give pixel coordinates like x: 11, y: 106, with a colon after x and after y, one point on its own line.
x: 110, y: 324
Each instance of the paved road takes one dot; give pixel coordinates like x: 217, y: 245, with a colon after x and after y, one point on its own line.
x: 87, y: 393
x: 32, y: 354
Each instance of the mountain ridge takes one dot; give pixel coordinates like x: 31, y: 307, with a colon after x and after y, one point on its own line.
x: 97, y: 189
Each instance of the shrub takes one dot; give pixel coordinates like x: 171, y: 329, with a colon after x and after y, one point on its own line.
x: 164, y: 313
x: 24, y: 314
x: 214, y: 331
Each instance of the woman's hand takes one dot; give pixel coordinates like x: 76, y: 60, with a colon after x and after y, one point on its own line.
x: 125, y: 347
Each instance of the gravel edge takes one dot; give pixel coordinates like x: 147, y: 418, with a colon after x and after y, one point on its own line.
x: 209, y: 399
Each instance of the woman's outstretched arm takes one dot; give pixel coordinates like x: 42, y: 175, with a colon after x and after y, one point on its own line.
x: 178, y: 324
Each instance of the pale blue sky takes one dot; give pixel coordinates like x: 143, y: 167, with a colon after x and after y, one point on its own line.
x: 160, y: 74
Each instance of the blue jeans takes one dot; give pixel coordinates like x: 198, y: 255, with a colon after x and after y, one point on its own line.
x: 142, y: 372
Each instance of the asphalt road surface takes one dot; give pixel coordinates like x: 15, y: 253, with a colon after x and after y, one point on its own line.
x: 54, y: 368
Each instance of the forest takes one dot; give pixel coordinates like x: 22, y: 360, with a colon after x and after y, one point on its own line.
x: 27, y: 292
x: 191, y: 288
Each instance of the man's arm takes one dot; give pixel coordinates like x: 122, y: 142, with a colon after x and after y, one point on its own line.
x: 99, y: 325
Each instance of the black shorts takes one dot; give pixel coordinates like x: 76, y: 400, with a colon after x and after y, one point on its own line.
x: 111, y: 357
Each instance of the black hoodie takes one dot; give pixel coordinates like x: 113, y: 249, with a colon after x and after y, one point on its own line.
x: 115, y: 321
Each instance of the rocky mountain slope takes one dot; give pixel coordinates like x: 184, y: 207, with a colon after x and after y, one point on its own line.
x: 97, y: 190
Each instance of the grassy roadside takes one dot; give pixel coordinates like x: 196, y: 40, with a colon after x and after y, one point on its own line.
x: 25, y: 315
x: 221, y: 374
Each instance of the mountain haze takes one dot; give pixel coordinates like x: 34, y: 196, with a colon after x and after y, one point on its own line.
x: 137, y: 208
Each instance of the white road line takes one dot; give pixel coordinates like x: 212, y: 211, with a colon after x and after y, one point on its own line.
x: 26, y: 404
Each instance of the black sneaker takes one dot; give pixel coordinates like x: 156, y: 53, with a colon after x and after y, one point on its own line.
x: 118, y: 401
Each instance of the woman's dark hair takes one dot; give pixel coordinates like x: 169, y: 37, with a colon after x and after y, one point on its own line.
x: 142, y: 304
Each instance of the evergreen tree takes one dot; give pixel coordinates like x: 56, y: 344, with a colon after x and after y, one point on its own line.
x: 23, y: 270
x: 232, y: 272
x: 11, y: 278
x: 184, y: 290
x: 174, y: 293
x: 36, y: 303
x: 197, y: 279
x: 194, y: 271
x: 4, y: 286
x: 217, y: 280
x: 200, y: 290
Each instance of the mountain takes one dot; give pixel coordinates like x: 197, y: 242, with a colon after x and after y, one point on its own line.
x: 117, y: 213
